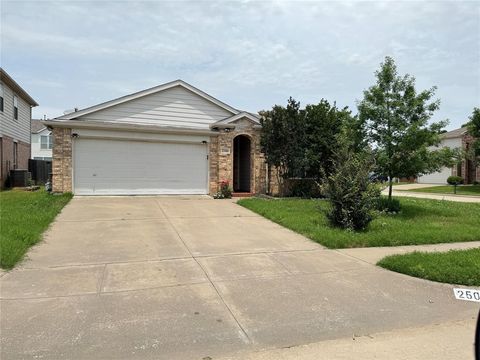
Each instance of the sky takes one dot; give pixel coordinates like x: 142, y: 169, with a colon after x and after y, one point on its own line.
x: 249, y: 54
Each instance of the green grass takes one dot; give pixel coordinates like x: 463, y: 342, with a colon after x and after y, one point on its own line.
x: 420, y: 221
x: 454, y: 267
x: 471, y: 190
x: 24, y: 216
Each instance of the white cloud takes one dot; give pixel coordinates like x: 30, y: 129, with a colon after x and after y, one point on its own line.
x: 252, y: 54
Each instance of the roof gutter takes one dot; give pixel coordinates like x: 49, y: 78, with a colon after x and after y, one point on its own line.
x: 82, y: 124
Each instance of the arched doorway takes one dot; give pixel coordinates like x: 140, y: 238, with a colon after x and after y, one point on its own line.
x: 241, y: 163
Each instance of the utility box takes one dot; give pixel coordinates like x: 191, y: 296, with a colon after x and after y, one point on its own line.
x: 19, y: 178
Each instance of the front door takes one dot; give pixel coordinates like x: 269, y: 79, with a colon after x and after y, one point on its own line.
x: 241, y: 164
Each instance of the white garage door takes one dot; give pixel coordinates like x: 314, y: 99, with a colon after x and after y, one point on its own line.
x: 439, y: 177
x: 120, y: 167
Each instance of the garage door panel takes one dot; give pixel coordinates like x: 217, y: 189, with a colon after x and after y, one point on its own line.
x: 439, y: 177
x: 112, y: 167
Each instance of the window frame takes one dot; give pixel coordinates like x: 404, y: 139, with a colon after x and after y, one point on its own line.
x: 15, y: 107
x: 49, y: 142
x: 15, y: 154
x: 2, y: 96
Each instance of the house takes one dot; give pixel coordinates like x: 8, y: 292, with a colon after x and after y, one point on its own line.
x: 15, y: 116
x: 169, y: 139
x: 458, y: 138
x: 41, y: 141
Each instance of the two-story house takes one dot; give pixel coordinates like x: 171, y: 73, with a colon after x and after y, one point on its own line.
x: 42, y: 141
x: 15, y: 118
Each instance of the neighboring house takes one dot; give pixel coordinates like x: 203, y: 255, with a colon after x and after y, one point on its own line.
x: 169, y: 139
x: 42, y: 141
x: 15, y: 116
x: 457, y: 138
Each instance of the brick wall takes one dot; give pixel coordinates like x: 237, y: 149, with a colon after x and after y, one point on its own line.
x: 62, y: 160
x: 6, y: 157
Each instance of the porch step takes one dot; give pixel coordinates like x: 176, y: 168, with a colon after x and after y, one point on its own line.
x: 242, y: 194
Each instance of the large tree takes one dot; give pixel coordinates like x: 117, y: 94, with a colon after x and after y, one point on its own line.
x: 300, y: 143
x: 396, y: 118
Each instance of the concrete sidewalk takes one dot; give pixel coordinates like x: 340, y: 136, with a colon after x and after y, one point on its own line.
x: 452, y: 340
x: 193, y: 278
x: 400, y: 190
x: 374, y: 254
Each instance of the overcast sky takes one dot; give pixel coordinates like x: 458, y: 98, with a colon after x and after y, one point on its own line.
x: 250, y: 55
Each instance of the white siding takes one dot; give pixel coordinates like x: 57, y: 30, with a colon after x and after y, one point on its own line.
x: 37, y: 151
x: 175, y: 107
x: 17, y: 129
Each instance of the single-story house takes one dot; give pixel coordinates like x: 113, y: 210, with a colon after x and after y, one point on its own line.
x: 41, y: 141
x: 458, y: 138
x: 169, y: 139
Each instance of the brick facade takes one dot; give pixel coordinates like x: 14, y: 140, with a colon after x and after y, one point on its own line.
x: 62, y: 160
x: 6, y: 157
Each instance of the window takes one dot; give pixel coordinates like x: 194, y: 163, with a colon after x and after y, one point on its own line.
x: 15, y: 154
x: 46, y: 142
x: 15, y: 107
x: 1, y: 97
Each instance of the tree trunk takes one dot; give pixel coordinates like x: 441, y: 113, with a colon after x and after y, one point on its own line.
x: 390, y: 188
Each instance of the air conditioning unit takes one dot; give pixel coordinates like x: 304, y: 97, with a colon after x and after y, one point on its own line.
x: 19, y: 178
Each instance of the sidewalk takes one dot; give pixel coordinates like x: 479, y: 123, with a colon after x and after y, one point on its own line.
x: 452, y: 340
x: 373, y: 254
x: 400, y: 190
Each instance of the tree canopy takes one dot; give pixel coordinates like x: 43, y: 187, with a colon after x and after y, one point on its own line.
x: 396, y: 120
x: 474, y: 130
x: 301, y: 143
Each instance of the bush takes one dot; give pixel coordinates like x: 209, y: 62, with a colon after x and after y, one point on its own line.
x: 225, y: 191
x: 387, y: 205
x: 350, y: 192
x: 303, y: 188
x: 476, y: 182
x: 455, y: 180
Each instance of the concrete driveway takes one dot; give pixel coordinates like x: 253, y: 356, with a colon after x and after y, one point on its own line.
x: 196, y: 278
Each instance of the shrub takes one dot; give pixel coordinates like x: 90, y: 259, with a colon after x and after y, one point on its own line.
x: 303, y: 188
x: 387, y: 205
x: 455, y: 180
x: 350, y: 192
x: 476, y: 182
x: 225, y: 191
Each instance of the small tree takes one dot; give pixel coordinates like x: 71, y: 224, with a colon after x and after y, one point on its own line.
x: 396, y: 119
x: 351, y: 194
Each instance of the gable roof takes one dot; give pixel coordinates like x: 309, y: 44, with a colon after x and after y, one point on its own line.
x: 37, y: 126
x: 455, y: 133
x: 139, y: 94
x: 12, y: 84
x: 227, y: 121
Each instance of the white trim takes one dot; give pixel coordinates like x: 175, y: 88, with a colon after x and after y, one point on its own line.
x: 123, y: 99
x: 82, y: 124
x: 231, y: 119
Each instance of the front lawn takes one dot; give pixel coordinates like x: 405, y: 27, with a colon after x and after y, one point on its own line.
x: 454, y: 267
x: 471, y: 190
x: 421, y: 221
x: 24, y: 216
